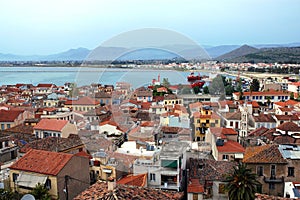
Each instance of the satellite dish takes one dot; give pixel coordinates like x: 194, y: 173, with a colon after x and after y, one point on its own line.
x: 28, y: 197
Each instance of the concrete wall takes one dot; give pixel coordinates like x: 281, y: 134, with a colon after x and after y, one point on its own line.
x: 78, y: 169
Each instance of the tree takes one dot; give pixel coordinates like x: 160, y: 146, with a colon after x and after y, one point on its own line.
x: 216, y: 87
x: 229, y: 89
x: 8, y: 195
x: 241, y: 183
x: 205, y: 89
x: 74, y: 92
x: 292, y: 97
x: 254, y: 85
x: 196, y: 89
x: 40, y: 192
x: 166, y: 83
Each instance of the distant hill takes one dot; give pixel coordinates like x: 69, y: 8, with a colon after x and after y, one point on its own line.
x: 271, y: 55
x: 217, y: 51
x: 72, y: 54
x: 229, y: 53
x: 241, y: 51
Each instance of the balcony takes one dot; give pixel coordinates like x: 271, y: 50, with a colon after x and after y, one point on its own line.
x: 274, y: 179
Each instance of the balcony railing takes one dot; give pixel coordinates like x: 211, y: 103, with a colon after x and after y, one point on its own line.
x: 274, y: 179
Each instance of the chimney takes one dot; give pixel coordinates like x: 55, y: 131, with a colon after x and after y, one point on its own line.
x: 111, y: 184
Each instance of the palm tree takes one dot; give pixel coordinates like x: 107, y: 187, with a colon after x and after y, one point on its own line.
x: 241, y: 183
x: 40, y: 192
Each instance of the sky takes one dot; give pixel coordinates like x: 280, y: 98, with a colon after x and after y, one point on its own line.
x: 30, y: 27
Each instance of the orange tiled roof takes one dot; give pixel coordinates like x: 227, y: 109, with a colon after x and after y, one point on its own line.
x: 231, y: 147
x: 137, y: 180
x: 265, y: 93
x: 195, y: 105
x: 289, y: 126
x: 42, y: 162
x: 99, y: 190
x: 264, y: 154
x: 225, y: 131
x: 251, y: 151
x: 9, y: 115
x: 281, y: 104
x: 147, y: 124
x: 83, y: 101
x: 195, y: 186
x: 258, y: 131
x: 287, y: 117
x: 50, y: 125
x: 45, y: 85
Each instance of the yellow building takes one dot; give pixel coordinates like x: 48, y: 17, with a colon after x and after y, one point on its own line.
x: 203, y: 119
x: 53, y: 170
x: 83, y: 104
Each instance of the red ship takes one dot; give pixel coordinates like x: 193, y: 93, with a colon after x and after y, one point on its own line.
x: 196, y: 80
x: 198, y: 83
x: 192, y: 77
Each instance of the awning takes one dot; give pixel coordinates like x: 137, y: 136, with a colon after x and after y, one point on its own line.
x: 169, y: 173
x: 107, y: 171
x: 30, y: 180
x: 239, y: 155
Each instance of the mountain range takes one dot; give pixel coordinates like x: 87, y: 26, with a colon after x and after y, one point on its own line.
x: 221, y: 53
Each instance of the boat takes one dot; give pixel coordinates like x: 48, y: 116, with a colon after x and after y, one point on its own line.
x: 192, y: 77
x: 198, y: 84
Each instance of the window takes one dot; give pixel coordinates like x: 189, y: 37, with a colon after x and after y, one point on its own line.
x: 198, y: 121
x: 259, y: 188
x: 273, y: 171
x: 260, y: 170
x: 195, y: 196
x: 291, y: 171
x: 15, y: 176
x: 221, y: 188
x: 272, y: 186
x: 207, y: 121
x: 58, y: 134
x: 8, y: 125
x: 2, y: 126
x: 48, y: 184
x: 217, y: 121
x: 152, y: 177
x: 225, y: 157
x: 231, y: 123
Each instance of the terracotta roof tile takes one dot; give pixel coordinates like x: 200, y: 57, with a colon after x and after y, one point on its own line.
x: 42, y: 162
x: 287, y: 117
x: 9, y: 115
x: 50, y: 124
x: 209, y: 169
x: 233, y: 116
x: 83, y: 101
x: 258, y: 132
x: 289, y: 126
x: 264, y: 118
x: 265, y: 93
x: 231, y: 147
x: 99, y: 191
x: 134, y: 180
x: 54, y: 144
x: 225, y: 131
x: 269, y: 154
x: 194, y: 186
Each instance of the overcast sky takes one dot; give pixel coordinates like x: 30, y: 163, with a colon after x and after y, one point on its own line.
x: 52, y: 26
